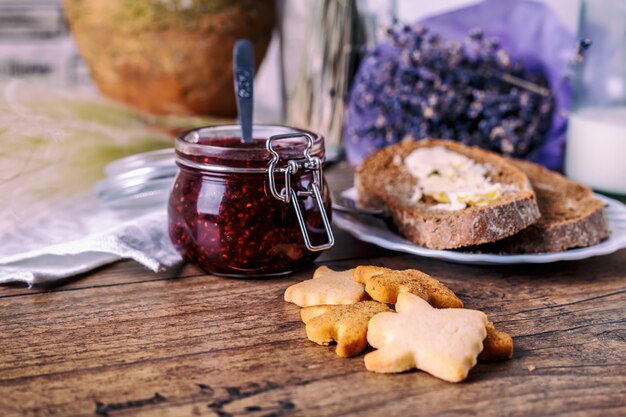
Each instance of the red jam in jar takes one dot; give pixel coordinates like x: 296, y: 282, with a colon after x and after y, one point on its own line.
x: 258, y: 209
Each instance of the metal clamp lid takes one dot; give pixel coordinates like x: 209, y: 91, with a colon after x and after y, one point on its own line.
x: 288, y: 194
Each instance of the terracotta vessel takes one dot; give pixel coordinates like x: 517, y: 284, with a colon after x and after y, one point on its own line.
x: 168, y: 56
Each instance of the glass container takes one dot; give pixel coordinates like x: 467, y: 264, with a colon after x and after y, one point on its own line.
x: 259, y: 209
x: 596, y: 138
x: 319, y: 60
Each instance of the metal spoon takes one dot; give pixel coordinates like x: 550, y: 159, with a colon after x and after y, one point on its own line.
x: 243, y: 75
x: 347, y: 205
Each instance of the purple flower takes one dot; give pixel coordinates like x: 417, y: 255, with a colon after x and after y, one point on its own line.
x: 414, y: 83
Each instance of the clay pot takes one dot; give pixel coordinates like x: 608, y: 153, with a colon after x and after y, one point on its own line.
x: 168, y: 56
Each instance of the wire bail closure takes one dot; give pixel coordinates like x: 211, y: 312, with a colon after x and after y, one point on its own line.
x: 289, y: 195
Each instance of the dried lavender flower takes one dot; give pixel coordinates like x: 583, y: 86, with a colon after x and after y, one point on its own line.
x: 416, y: 84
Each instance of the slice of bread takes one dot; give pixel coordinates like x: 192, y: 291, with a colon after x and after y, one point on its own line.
x: 381, y: 180
x: 571, y: 217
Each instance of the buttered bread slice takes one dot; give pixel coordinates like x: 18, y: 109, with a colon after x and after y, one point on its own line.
x: 571, y: 217
x: 445, y: 195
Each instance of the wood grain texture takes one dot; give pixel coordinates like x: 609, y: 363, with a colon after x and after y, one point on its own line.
x: 122, y: 341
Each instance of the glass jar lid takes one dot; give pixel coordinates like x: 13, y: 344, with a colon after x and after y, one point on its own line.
x: 220, y: 149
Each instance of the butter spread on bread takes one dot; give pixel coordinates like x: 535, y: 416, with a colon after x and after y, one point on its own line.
x: 453, y: 180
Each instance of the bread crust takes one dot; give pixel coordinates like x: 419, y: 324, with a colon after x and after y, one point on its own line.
x: 380, y: 181
x: 580, y: 223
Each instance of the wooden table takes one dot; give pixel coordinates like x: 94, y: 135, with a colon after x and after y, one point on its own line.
x: 123, y: 341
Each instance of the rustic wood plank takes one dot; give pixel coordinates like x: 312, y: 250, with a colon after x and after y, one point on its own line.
x: 124, y: 341
x: 214, y: 346
x: 120, y: 273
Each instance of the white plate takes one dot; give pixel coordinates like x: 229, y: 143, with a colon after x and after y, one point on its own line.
x: 375, y: 231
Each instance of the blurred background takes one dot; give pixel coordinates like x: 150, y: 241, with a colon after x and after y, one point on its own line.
x: 36, y: 42
x: 85, y: 82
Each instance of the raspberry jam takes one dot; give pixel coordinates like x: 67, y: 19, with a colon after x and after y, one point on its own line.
x: 230, y: 211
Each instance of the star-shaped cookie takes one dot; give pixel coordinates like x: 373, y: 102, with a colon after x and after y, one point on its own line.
x: 326, y: 287
x: 443, y: 342
x: 344, y: 324
x: 384, y: 285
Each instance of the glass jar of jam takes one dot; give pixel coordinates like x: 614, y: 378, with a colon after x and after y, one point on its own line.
x: 258, y: 209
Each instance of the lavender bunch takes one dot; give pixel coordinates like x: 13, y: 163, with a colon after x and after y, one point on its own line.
x: 473, y: 92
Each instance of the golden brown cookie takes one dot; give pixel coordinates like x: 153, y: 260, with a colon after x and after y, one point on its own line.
x: 326, y: 287
x: 344, y: 324
x: 384, y: 285
x: 443, y: 342
x: 497, y: 346
x: 365, y: 272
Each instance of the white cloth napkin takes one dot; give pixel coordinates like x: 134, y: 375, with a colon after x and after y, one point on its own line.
x: 54, y: 145
x: 77, y: 233
x: 144, y: 239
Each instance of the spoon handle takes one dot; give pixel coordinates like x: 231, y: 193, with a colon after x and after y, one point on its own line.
x: 243, y: 74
